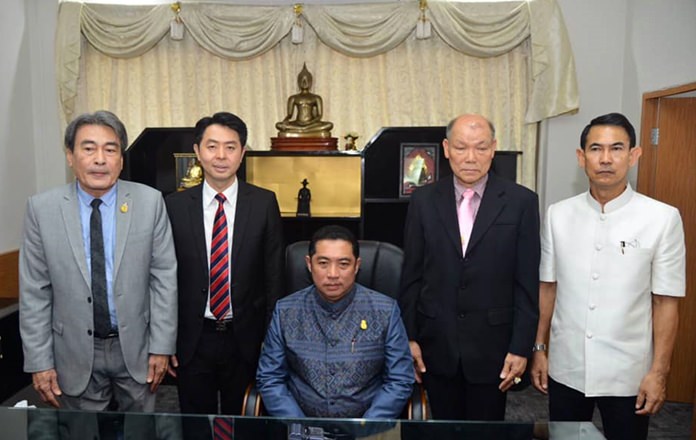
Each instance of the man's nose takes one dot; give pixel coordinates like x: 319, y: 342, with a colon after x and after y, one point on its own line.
x: 605, y: 156
x: 100, y: 156
x: 333, y: 271
x: 469, y: 154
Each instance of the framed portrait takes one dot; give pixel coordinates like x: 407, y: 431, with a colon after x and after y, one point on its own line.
x: 188, y: 171
x: 419, y: 162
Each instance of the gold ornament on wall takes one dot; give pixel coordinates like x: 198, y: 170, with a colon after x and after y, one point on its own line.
x: 176, y: 27
x: 423, y: 26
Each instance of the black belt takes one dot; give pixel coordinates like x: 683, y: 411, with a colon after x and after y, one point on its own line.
x: 112, y: 334
x: 223, y: 325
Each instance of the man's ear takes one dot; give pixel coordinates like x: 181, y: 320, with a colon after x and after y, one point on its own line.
x: 445, y: 147
x: 580, y: 153
x: 196, y: 149
x: 69, y: 157
x: 357, y: 265
x: 308, y: 261
x: 635, y: 152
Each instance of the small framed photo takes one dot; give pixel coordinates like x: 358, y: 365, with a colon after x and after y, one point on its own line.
x: 188, y: 171
x: 418, y: 166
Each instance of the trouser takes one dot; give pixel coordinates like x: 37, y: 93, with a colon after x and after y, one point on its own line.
x: 110, y: 379
x: 455, y: 398
x: 619, y: 419
x: 216, y: 368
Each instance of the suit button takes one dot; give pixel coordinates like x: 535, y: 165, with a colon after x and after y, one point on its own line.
x: 89, y: 299
x: 89, y: 332
x: 462, y: 315
x: 204, y: 290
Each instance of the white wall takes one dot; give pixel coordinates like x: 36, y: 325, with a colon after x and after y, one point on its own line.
x: 622, y: 48
x: 17, y: 172
x: 31, y: 157
x: 660, y: 52
x: 597, y: 30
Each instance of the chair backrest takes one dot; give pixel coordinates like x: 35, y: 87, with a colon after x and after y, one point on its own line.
x: 380, y: 267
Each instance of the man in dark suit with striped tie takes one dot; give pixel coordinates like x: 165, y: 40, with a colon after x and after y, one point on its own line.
x: 229, y: 247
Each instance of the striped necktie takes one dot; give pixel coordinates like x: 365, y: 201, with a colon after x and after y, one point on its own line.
x: 219, y: 264
x: 223, y: 428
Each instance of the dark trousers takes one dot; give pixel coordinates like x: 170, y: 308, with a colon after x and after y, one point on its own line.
x: 216, y: 367
x: 619, y: 419
x: 454, y: 398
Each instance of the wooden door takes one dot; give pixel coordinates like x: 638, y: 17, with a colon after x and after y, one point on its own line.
x: 669, y: 174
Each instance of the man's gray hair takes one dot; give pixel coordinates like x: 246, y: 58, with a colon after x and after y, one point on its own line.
x: 101, y: 117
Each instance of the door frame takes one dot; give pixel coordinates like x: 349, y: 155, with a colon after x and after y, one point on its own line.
x: 650, y: 112
x: 646, y: 166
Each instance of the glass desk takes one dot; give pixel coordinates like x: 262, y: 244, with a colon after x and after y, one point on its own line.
x: 22, y: 423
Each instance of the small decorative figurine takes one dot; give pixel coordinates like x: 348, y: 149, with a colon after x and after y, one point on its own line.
x: 350, y: 138
x: 304, y: 196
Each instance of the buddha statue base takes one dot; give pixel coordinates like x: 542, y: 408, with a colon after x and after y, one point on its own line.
x: 304, y: 143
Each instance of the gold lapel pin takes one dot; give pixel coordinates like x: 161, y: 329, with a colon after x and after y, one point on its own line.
x: 124, y: 208
x: 363, y: 324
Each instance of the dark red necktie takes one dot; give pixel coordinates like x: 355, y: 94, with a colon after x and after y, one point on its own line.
x: 223, y: 428
x: 219, y: 264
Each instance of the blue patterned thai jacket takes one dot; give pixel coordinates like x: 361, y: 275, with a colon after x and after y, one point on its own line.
x: 345, y: 359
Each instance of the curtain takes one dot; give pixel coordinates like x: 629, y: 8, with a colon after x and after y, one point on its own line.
x: 509, y: 61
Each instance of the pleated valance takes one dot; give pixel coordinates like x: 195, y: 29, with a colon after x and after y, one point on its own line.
x: 359, y: 30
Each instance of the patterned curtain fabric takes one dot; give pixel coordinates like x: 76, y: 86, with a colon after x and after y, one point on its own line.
x: 510, y: 61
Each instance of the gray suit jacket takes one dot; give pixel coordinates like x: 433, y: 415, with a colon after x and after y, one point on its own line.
x: 55, y: 308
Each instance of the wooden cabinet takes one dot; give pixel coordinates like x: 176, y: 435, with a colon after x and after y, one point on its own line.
x: 387, y: 180
x: 364, y: 191
x: 334, y: 181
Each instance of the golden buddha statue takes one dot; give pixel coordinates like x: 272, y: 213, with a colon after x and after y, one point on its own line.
x: 309, y: 107
x: 194, y: 175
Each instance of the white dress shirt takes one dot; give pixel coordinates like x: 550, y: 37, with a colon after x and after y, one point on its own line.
x: 607, y: 264
x: 210, y: 205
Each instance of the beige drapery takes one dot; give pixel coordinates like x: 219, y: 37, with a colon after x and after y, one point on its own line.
x: 527, y: 75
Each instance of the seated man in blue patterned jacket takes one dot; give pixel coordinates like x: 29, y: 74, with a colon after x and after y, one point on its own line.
x: 335, y: 349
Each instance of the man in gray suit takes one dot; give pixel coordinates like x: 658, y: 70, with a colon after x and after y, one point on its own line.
x: 97, y: 275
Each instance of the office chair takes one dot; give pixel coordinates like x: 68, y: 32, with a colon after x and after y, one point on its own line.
x: 380, y: 270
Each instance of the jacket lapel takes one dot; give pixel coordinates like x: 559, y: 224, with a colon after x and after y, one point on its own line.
x: 492, y: 203
x: 195, y: 212
x: 124, y: 209
x: 73, y: 229
x: 447, y: 210
x: 241, y: 219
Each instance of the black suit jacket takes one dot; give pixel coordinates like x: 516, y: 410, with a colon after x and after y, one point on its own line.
x: 473, y: 308
x: 256, y: 266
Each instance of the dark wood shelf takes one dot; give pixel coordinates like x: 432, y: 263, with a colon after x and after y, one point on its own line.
x: 276, y: 153
x: 384, y: 200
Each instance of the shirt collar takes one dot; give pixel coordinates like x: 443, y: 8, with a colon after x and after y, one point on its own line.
x: 612, y: 205
x: 108, y: 199
x: 338, y: 306
x: 478, y: 187
x: 209, y: 193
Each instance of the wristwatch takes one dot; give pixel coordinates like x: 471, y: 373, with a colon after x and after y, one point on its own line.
x: 538, y: 347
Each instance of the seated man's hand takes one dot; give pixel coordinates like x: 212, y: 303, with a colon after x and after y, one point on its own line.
x: 418, y: 363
